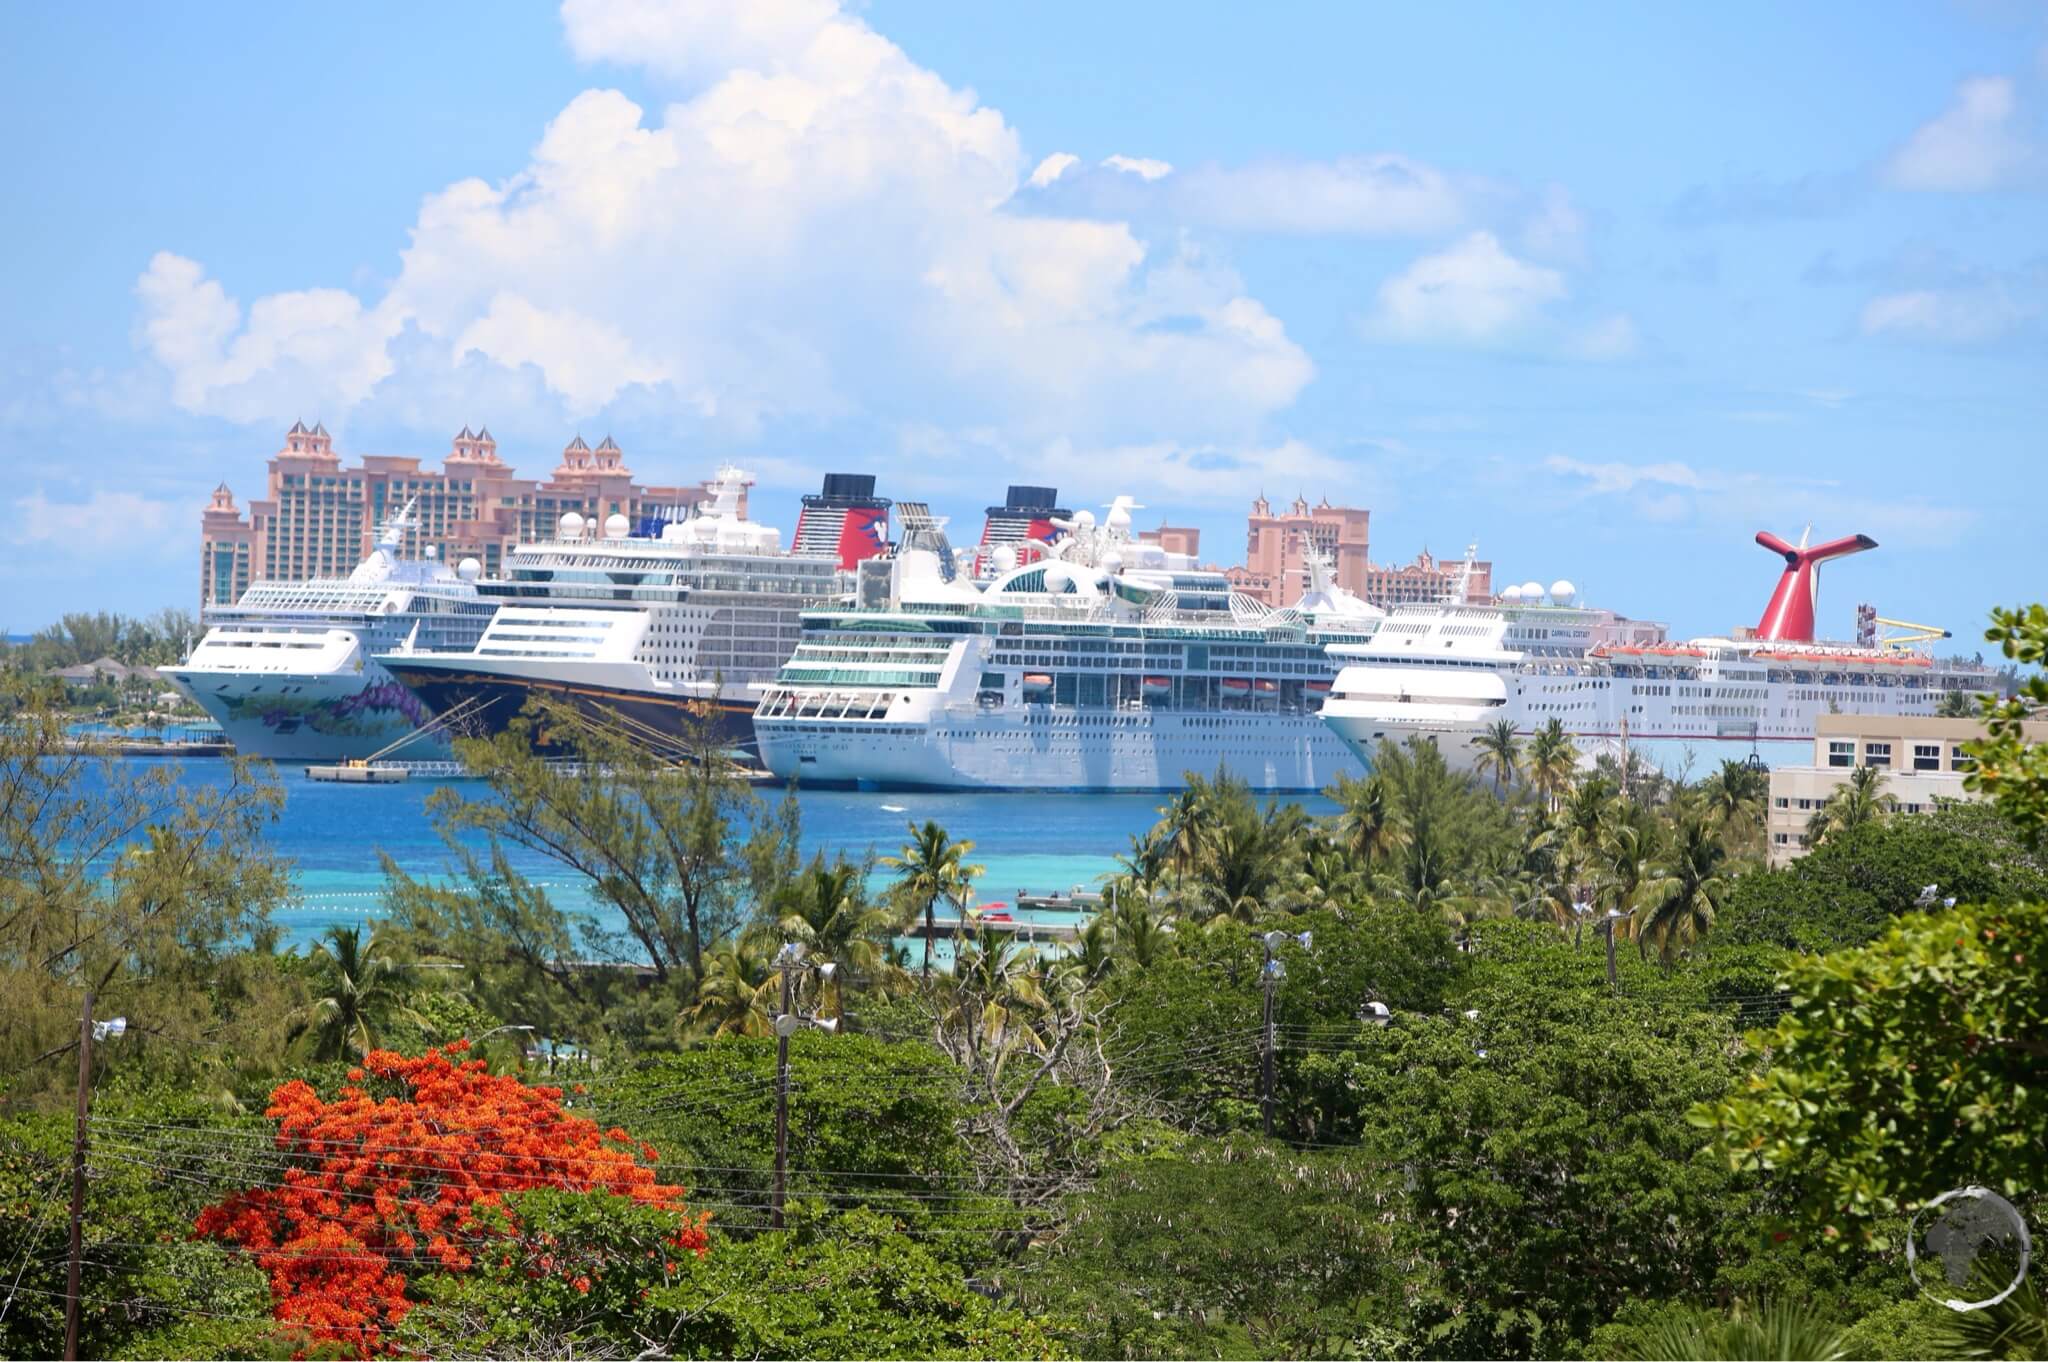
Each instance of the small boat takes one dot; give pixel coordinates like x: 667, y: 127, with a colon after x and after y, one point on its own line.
x: 995, y: 917
x: 1235, y: 685
x: 1265, y: 687
x: 358, y: 773
x: 1037, y: 681
x: 1316, y: 687
x: 1158, y: 685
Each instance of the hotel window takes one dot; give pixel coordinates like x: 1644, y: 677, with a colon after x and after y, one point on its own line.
x: 1927, y: 756
x: 1877, y: 754
x: 1781, y: 802
x: 1841, y: 753
x: 1958, y: 759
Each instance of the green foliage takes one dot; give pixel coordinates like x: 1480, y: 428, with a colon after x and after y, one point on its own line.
x: 1905, y: 1068
x: 2010, y: 769
x: 148, y: 641
x: 1847, y: 891
x: 1778, y: 1330
x: 1235, y: 1249
x: 1547, y: 1164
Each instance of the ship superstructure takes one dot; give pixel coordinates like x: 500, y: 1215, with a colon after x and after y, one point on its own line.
x: 290, y: 671
x: 1102, y: 664
x: 1766, y: 683
x: 648, y: 633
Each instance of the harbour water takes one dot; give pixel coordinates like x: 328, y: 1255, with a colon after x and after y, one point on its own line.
x: 1028, y: 843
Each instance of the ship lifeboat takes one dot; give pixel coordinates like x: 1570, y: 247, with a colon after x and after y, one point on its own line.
x: 1316, y: 687
x: 1235, y: 685
x: 1158, y: 685
x: 1037, y: 681
x: 1265, y: 687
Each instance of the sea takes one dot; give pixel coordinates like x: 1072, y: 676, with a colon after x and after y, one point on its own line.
x: 1027, y: 843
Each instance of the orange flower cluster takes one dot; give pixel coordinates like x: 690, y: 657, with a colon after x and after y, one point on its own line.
x: 374, y: 1184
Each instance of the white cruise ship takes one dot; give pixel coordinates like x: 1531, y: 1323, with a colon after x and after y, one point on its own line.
x: 644, y: 632
x: 1454, y: 671
x: 1108, y: 665
x: 290, y: 671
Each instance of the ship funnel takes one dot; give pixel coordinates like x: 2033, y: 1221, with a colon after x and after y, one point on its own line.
x: 1789, y: 616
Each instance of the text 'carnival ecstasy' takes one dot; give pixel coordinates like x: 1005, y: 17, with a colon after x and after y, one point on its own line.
x: 1449, y: 673
x: 290, y: 673
x: 1101, y: 663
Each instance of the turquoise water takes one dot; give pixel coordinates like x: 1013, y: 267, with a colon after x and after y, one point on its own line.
x: 1031, y: 843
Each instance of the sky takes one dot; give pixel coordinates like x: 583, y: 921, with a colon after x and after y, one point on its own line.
x: 1604, y: 289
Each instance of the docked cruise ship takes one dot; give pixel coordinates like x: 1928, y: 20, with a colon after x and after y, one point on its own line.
x: 290, y: 670
x: 646, y: 633
x: 1450, y: 672
x: 1104, y: 663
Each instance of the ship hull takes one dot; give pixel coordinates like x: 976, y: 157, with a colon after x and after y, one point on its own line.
x: 1136, y: 751
x: 500, y: 697
x: 1457, y: 739
x: 330, y: 716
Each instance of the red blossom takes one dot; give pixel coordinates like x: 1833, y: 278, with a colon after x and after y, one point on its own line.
x: 370, y: 1179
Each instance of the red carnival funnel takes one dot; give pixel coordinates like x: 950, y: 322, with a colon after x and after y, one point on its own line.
x: 1789, y: 616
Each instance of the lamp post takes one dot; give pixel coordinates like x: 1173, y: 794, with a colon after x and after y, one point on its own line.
x: 790, y: 960
x: 1607, y: 925
x: 1270, y: 974
x: 88, y: 1032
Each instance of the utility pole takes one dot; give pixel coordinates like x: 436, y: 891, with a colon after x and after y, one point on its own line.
x: 1607, y: 925
x: 783, y: 1027
x: 1267, y: 978
x: 78, y: 1181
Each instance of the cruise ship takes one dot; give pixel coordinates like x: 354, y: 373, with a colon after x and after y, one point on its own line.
x: 290, y: 670
x: 1104, y: 663
x: 646, y: 632
x: 1449, y: 673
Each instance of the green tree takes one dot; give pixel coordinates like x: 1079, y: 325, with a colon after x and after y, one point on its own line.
x: 1367, y: 827
x: 668, y: 835
x: 1957, y: 704
x: 1858, y: 801
x: 1234, y: 1248
x: 362, y: 987
x: 932, y: 866
x: 1780, y: 1329
x: 1904, y: 1068
x: 1551, y: 759
x: 1500, y: 754
x: 1678, y: 908
x: 737, y: 995
x: 827, y: 909
x: 2007, y: 767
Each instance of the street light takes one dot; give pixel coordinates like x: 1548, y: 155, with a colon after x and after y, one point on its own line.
x: 790, y: 961
x: 1270, y: 974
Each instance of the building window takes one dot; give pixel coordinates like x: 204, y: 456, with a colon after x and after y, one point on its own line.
x: 1927, y: 756
x: 1841, y: 753
x: 1958, y: 759
x: 1781, y: 802
x: 1877, y: 754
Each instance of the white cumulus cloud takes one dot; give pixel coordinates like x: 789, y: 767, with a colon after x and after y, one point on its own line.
x: 1974, y: 144
x: 1473, y: 291
x: 1052, y: 167
x: 815, y: 228
x: 120, y: 520
x: 1143, y: 167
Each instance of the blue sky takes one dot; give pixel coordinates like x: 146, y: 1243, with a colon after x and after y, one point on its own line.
x: 1605, y: 289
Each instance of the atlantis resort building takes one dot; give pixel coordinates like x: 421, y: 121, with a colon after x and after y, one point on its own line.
x: 1277, y: 549
x: 318, y: 518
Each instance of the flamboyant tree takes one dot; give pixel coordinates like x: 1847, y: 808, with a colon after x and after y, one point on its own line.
x: 407, y: 1169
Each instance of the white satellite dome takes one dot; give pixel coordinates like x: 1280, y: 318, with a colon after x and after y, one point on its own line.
x: 1562, y: 591
x: 1005, y: 557
x: 469, y: 569
x: 1532, y: 591
x: 431, y: 552
x: 1058, y: 578
x: 571, y: 525
x: 1112, y: 563
x: 616, y: 526
x: 1513, y: 593
x: 1084, y: 519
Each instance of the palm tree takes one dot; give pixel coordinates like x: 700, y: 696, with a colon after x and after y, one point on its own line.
x: 1552, y: 759
x: 1782, y: 1329
x: 1957, y: 704
x: 993, y: 994
x: 932, y: 867
x: 1369, y: 828
x: 1141, y: 935
x: 1500, y: 754
x: 736, y: 996
x: 826, y: 908
x: 1676, y: 910
x: 1860, y: 801
x: 1183, y: 833
x: 365, y: 987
